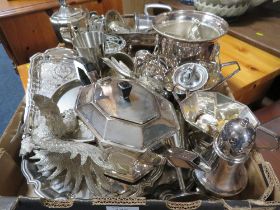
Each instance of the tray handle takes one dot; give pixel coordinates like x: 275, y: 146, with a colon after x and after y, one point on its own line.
x: 156, y: 6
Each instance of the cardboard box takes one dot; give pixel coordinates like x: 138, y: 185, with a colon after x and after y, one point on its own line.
x: 262, y: 191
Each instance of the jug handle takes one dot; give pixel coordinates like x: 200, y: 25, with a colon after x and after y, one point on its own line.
x: 273, y: 135
x: 227, y: 77
x: 156, y: 6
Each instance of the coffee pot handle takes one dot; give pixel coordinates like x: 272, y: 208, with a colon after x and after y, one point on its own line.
x: 274, y: 135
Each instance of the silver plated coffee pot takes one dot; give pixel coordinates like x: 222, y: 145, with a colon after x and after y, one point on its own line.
x: 221, y: 172
x: 66, y: 16
x: 228, y: 175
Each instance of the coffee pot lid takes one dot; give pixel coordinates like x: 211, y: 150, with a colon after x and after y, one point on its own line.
x: 236, y: 140
x: 67, y: 14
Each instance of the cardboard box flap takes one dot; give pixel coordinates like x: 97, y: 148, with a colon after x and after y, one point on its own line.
x: 23, y: 203
x: 11, y: 137
x: 10, y: 175
x: 8, y: 203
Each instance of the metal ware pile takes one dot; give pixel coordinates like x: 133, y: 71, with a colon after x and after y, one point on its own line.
x: 105, y: 119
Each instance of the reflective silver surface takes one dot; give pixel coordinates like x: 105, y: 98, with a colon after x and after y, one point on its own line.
x: 115, y: 23
x: 190, y: 26
x: 224, y: 180
x: 179, y: 52
x: 153, y: 71
x: 56, y: 67
x: 181, y: 158
x: 122, y: 64
x: 137, y: 109
x: 67, y: 15
x: 93, y: 42
x: 51, y: 129
x: 146, y: 116
x: 136, y: 131
x: 124, y: 139
x: 159, y: 73
x: 130, y: 166
x: 127, y: 24
x: 119, y: 67
x: 136, y: 29
x: 91, y: 45
x: 230, y: 150
x: 62, y: 142
x: 54, y: 189
x: 209, y: 111
x: 65, y: 96
x: 188, y: 35
x: 190, y: 77
x: 236, y: 140
x: 114, y: 44
x: 150, y: 6
x: 228, y: 153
